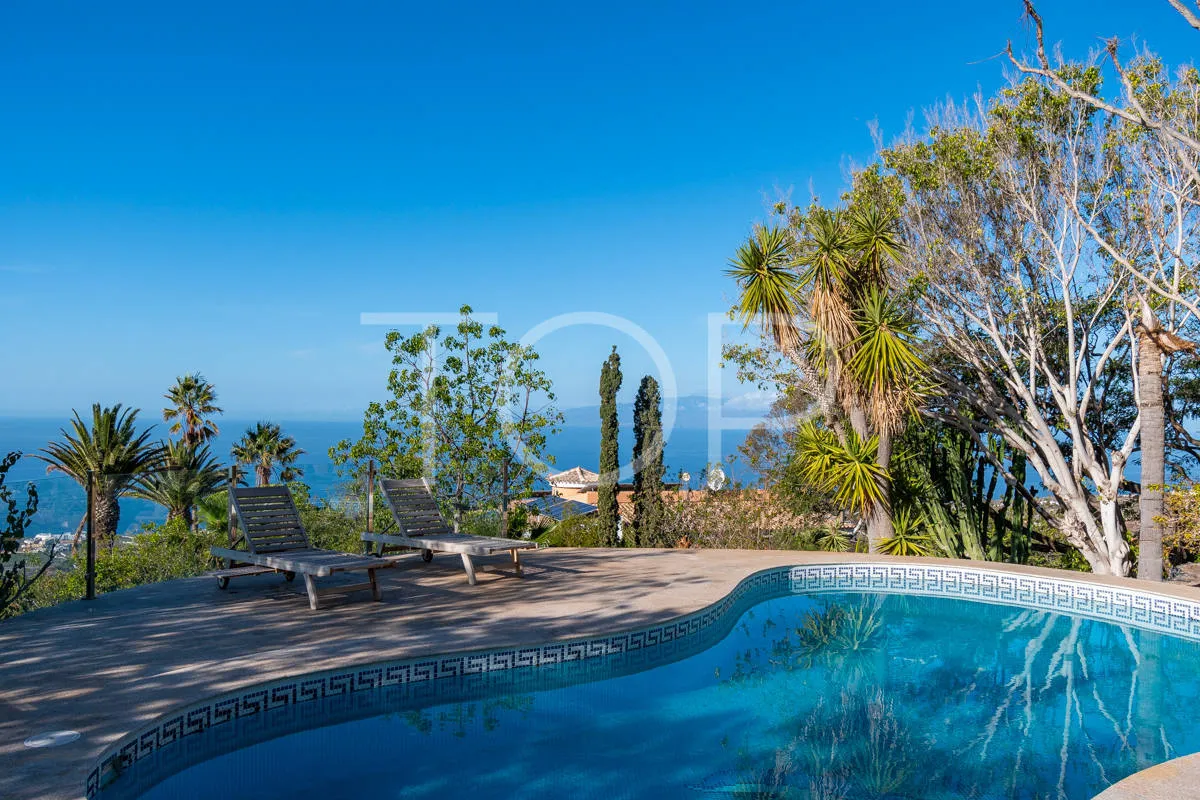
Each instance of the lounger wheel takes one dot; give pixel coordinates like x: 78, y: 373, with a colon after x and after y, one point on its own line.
x: 289, y: 576
x: 427, y: 556
x: 222, y: 583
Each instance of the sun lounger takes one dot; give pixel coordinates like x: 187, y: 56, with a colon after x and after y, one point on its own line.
x: 421, y: 527
x: 277, y: 542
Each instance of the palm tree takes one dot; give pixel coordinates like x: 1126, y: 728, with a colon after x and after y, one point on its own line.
x: 188, y: 474
x: 266, y: 447
x: 820, y: 289
x: 113, y: 451
x: 193, y: 399
x: 213, y: 510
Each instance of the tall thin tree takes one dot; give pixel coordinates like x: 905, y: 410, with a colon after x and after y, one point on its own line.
x: 648, y: 466
x: 610, y: 459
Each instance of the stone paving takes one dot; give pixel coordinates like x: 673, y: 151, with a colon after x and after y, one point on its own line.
x: 109, y: 667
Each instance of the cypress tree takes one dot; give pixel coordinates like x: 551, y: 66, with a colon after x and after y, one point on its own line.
x: 648, y: 467
x: 610, y: 460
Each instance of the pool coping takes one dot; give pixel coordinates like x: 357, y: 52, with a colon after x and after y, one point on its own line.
x: 1106, y: 600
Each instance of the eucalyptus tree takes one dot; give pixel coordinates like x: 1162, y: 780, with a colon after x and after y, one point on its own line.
x: 610, y: 459
x: 1036, y: 323
x: 116, y: 454
x: 265, y: 447
x: 193, y: 401
x: 821, y: 286
x: 1150, y: 232
x: 468, y: 408
x: 188, y: 474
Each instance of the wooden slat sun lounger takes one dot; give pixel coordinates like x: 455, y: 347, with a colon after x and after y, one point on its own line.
x: 277, y: 542
x: 422, y: 527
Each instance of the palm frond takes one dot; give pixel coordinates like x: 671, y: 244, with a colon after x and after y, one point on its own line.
x: 875, y: 235
x: 849, y: 471
x: 885, y: 354
x: 770, y: 288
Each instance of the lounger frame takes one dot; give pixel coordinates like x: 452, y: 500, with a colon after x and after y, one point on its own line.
x: 276, y: 541
x: 421, y: 527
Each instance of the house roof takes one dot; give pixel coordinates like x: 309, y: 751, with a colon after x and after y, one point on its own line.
x: 575, y: 476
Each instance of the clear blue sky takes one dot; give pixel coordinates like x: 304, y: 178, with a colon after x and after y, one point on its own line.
x: 225, y: 187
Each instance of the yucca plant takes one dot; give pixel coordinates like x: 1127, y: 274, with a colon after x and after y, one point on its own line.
x: 834, y: 540
x: 114, y: 452
x: 820, y: 287
x: 908, y: 536
x: 849, y: 471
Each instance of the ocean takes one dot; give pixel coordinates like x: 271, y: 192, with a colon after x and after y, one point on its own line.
x: 62, y: 502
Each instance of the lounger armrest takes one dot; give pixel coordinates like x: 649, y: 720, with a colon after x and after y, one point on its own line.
x: 234, y: 555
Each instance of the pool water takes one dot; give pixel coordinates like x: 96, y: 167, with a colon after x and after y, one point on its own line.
x: 836, y: 696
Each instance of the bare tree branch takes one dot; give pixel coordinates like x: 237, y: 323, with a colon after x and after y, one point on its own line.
x: 1187, y: 13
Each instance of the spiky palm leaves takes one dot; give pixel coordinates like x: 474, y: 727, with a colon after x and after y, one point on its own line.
x: 908, y: 536
x: 886, y: 371
x: 763, y: 268
x: 267, y: 448
x: 821, y: 288
x: 847, y: 470
x: 188, y: 473
x: 193, y: 400
x: 860, y: 333
x: 114, y: 452
x: 213, y: 510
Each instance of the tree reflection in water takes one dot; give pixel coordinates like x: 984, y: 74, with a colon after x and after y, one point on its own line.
x: 978, y: 701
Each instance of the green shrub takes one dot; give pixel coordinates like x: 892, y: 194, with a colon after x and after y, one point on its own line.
x: 335, y: 525
x: 486, y: 522
x: 575, y: 532
x: 482, y: 523
x: 157, y: 553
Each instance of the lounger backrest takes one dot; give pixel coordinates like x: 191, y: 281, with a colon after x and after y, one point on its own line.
x: 270, y: 520
x: 413, y: 506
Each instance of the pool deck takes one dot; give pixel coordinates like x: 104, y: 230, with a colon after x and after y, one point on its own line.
x: 109, y: 667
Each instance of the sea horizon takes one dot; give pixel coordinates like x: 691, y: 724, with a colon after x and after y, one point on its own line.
x: 62, y: 502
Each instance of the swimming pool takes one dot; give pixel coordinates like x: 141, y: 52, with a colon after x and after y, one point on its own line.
x: 836, y: 694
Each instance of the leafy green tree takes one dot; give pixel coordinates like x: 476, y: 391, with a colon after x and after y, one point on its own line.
x: 610, y: 459
x: 16, y: 580
x: 267, y: 448
x: 648, y: 469
x: 193, y: 400
x: 527, y: 417
x: 188, y: 473
x: 468, y: 408
x: 117, y: 455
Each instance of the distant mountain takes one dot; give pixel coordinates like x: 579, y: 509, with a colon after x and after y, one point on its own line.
x: 691, y: 411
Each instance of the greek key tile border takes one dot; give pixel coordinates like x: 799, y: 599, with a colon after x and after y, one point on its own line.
x: 648, y: 646
x: 1170, y: 615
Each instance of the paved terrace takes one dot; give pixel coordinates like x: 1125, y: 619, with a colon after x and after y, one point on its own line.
x: 109, y: 667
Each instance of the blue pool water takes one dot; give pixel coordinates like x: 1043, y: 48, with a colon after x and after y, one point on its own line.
x: 827, y: 696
